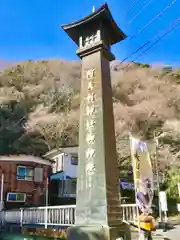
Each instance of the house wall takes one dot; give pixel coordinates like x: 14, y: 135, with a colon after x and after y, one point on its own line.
x: 62, y: 162
x: 34, y: 189
x: 62, y: 158
x: 58, y: 164
x: 69, y: 169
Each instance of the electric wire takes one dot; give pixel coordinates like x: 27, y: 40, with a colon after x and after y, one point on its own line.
x: 159, y: 14
x: 153, y: 19
x: 167, y: 31
x: 146, y: 43
x: 139, y: 11
x: 136, y: 51
x: 132, y: 6
x: 174, y: 25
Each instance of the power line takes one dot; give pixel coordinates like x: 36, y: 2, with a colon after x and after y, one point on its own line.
x: 136, y: 51
x: 167, y: 31
x: 158, y: 15
x: 143, y: 45
x: 151, y: 21
x: 133, y: 5
x: 174, y: 25
x: 140, y: 48
x: 139, y: 11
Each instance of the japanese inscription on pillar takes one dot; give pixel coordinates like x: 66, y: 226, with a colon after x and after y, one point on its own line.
x: 90, y: 126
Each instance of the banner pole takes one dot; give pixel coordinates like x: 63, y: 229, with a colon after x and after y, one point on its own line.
x: 135, y: 186
x: 157, y: 176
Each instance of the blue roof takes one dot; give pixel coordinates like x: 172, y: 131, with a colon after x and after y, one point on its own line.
x: 59, y: 176
x: 62, y: 176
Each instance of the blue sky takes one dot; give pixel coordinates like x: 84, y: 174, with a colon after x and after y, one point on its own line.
x: 31, y: 29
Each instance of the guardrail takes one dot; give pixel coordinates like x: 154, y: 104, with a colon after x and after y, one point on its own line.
x: 55, y: 215
x: 129, y: 212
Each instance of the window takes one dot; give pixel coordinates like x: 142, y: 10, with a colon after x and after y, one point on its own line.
x: 69, y: 188
x: 16, y: 197
x: 74, y: 184
x: 74, y: 159
x: 24, y: 173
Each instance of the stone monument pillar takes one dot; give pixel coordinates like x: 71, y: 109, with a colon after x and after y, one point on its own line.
x: 98, y: 213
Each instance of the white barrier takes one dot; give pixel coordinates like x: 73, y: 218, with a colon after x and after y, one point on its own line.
x: 55, y: 215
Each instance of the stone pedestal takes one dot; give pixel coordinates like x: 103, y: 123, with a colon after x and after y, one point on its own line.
x: 99, y: 232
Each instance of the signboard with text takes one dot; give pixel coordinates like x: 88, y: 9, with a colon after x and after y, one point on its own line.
x: 163, y: 201
x: 178, y: 207
x: 179, y: 189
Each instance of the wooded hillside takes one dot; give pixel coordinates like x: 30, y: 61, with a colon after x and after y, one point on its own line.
x: 40, y: 107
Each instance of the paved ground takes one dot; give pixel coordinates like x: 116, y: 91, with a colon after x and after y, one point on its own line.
x: 173, y: 234
x: 156, y: 236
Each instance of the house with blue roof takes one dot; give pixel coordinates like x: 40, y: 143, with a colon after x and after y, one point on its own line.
x: 64, y: 171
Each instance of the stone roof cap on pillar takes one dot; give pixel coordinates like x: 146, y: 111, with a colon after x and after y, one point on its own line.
x: 103, y: 15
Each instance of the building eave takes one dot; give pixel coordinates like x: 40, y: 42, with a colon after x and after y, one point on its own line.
x: 102, y: 11
x: 84, y: 20
x: 26, y: 158
x: 58, y: 150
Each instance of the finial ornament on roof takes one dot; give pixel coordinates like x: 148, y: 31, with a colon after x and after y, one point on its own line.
x: 93, y: 9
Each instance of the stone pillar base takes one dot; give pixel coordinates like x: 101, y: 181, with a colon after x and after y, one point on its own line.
x: 98, y: 232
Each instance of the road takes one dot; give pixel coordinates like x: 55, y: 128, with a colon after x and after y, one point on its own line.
x: 172, y: 234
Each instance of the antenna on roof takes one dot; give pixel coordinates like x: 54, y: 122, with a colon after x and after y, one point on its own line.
x: 93, y: 9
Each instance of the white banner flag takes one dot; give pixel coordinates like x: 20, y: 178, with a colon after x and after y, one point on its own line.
x: 143, y: 174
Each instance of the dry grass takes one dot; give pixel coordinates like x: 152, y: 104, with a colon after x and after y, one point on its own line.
x: 145, y: 100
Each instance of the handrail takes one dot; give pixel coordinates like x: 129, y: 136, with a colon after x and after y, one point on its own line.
x: 55, y: 215
x: 52, y: 207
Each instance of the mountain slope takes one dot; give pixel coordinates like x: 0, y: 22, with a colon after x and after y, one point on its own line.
x: 40, y: 107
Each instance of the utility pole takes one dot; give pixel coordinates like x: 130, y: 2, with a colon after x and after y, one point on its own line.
x: 47, y: 192
x: 2, y: 192
x: 157, y: 174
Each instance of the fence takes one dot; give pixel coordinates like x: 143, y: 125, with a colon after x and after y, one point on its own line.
x: 55, y: 215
